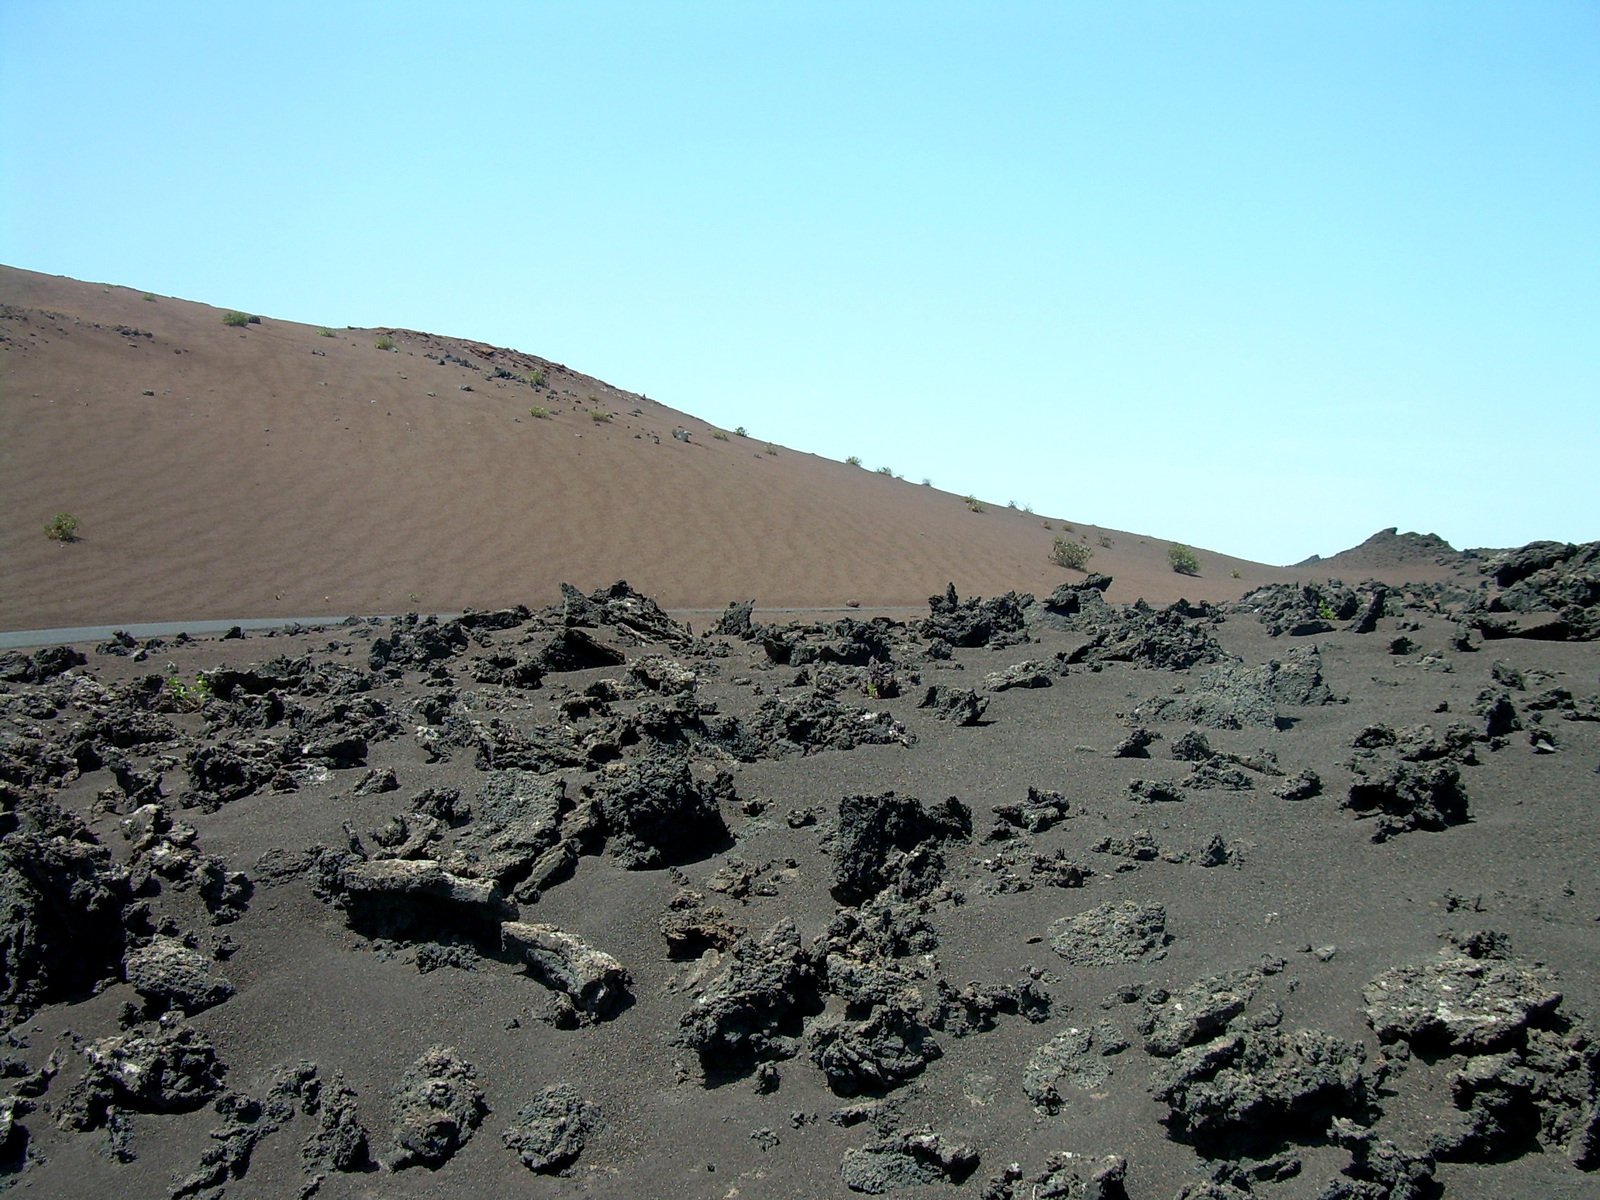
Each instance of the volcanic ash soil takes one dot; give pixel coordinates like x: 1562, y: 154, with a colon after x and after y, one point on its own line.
x: 1294, y: 897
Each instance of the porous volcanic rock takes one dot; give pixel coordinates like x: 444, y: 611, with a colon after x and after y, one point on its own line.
x: 436, y: 1109
x: 1115, y: 932
x: 885, y: 838
x: 551, y: 1129
x: 168, y: 973
x: 907, y: 1160
x: 753, y: 1010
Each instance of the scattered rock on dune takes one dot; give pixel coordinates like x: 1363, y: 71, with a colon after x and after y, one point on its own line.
x: 1479, y: 1063
x: 436, y: 1109
x: 1114, y: 932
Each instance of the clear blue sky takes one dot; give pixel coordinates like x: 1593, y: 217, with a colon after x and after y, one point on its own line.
x: 1264, y: 277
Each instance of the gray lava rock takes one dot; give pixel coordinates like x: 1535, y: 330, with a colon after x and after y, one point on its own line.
x: 551, y: 1129
x: 735, y: 620
x: 884, y: 839
x: 1261, y: 1088
x: 1198, y: 1013
x: 1070, y: 1177
x: 907, y: 1160
x: 1039, y: 812
x: 61, y: 907
x: 959, y: 706
x: 753, y: 1010
x: 170, y: 1070
x: 1465, y: 1005
x: 437, y: 1107
x: 1302, y: 785
x: 655, y: 813
x: 781, y: 727
x: 1074, y: 1061
x: 1169, y: 640
x: 418, y: 898
x: 518, y: 819
x: 168, y: 973
x: 1114, y: 932
x: 1028, y: 674
x: 620, y: 607
x: 1234, y: 696
x: 875, y: 1053
x: 1153, y: 791
x: 1136, y: 744
x: 596, y: 983
x: 1404, y: 796
x: 994, y: 622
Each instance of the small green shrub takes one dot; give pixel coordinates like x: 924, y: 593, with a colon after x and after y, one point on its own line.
x: 1105, y: 542
x: 384, y: 343
x: 719, y: 435
x: 1011, y: 504
x: 538, y: 413
x: 853, y: 461
x: 740, y: 432
x: 149, y: 296
x: 973, y: 503
x: 236, y: 319
x: 1183, y: 560
x: 537, y: 379
x: 63, y: 527
x: 599, y: 416
x: 885, y: 470
x: 188, y: 697
x: 926, y: 482
x: 772, y: 450
x: 1234, y: 573
x: 1071, y: 554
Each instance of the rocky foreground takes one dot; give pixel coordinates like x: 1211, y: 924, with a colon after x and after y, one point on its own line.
x: 1294, y: 897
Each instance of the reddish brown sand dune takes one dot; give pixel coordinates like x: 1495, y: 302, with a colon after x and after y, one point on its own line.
x: 269, y: 470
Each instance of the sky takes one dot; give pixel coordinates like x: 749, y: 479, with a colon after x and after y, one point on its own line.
x: 1260, y: 277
